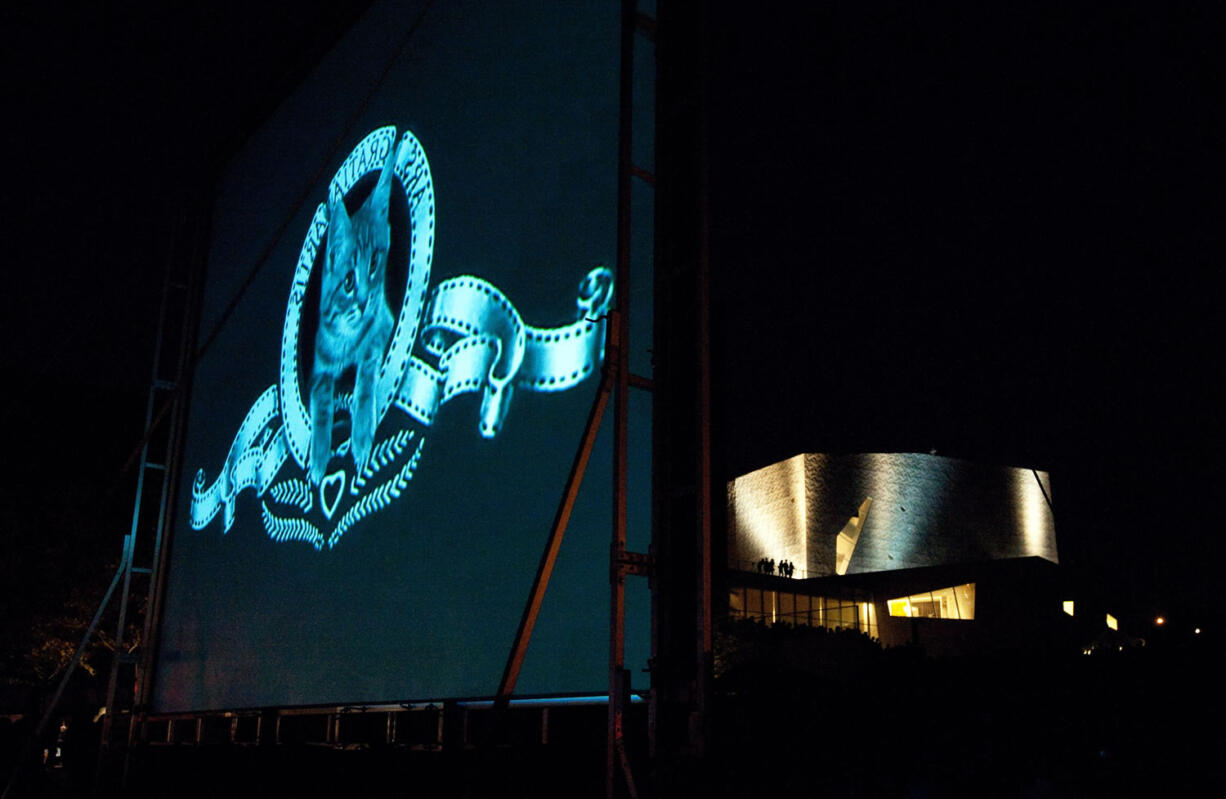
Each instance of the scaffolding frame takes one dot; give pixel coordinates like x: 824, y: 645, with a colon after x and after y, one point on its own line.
x: 616, y: 382
x: 157, y: 455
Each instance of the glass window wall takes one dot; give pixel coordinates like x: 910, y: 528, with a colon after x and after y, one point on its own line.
x: 802, y: 610
x: 956, y: 602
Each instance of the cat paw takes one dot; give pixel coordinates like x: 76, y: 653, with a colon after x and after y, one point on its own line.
x: 316, y: 473
x: 361, y: 452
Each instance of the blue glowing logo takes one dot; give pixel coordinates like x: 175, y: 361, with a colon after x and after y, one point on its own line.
x: 318, y: 465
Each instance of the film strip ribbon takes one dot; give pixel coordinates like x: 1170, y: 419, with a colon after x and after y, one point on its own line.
x: 257, y: 454
x: 481, y: 344
x: 473, y: 341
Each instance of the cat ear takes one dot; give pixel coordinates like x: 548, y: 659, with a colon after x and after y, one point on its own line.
x: 380, y: 197
x: 338, y: 221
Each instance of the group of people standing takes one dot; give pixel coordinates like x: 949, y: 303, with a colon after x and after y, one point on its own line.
x: 786, y: 568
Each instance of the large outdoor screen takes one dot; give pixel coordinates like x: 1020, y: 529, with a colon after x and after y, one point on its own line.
x: 381, y: 429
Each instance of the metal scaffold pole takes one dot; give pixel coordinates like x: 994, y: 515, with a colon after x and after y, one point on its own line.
x: 682, y: 497
x: 154, y: 455
x: 623, y: 563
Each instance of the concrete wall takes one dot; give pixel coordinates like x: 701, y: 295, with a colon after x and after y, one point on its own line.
x: 927, y: 510
x: 767, y: 508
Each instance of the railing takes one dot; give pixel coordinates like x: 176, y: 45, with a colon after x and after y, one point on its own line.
x: 418, y: 725
x: 753, y: 567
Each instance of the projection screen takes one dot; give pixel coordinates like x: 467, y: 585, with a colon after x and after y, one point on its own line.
x: 379, y: 433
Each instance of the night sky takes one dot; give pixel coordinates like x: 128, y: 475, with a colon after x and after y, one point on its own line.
x: 990, y: 233
x: 993, y: 234
x: 117, y: 120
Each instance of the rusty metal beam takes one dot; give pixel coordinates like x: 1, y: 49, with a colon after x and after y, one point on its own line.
x: 642, y: 174
x: 634, y: 563
x: 644, y: 383
x: 545, y: 568
x: 614, y: 748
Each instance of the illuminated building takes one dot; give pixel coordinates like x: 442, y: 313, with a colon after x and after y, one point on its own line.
x: 907, y: 548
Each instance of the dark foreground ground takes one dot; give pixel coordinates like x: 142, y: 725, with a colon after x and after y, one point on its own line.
x: 798, y: 713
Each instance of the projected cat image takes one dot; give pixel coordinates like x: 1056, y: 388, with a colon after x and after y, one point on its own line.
x: 355, y: 323
x: 317, y: 477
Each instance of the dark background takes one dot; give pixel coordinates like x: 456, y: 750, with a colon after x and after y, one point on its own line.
x: 989, y: 232
x: 993, y: 233
x: 118, y: 120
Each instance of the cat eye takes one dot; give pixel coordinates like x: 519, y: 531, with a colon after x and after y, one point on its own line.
x: 349, y: 282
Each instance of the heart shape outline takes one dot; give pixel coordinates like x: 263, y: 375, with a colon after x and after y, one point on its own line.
x: 337, y: 479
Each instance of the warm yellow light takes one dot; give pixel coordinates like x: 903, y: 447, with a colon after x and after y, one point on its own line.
x: 1159, y: 621
x: 1034, y: 517
x: 1197, y: 631
x: 868, y: 616
x: 768, y: 508
x: 1112, y: 623
x: 845, y: 544
x: 955, y: 602
x: 1068, y: 606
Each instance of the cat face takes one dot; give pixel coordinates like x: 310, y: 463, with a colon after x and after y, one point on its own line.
x: 356, y: 264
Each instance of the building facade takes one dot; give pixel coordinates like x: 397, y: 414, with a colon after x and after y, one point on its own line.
x: 905, y: 547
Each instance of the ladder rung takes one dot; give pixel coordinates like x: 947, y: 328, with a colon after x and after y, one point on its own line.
x: 164, y: 385
x: 159, y: 466
x: 142, y: 570
x: 638, y: 381
x: 643, y: 175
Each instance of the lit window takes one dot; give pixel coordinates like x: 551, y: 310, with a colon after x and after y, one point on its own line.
x: 1068, y: 606
x: 774, y: 607
x: 753, y: 603
x: 786, y: 609
x: 1112, y: 623
x: 868, y: 618
x: 736, y: 603
x: 803, y: 610
x: 955, y: 602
